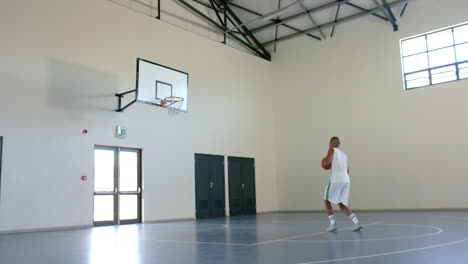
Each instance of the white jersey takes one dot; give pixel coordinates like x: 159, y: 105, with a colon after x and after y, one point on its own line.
x: 339, y: 167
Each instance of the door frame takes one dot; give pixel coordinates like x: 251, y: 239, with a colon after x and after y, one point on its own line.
x: 117, y: 192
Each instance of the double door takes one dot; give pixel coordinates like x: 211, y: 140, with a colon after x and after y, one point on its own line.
x: 209, y: 186
x: 117, y: 186
x: 242, y: 199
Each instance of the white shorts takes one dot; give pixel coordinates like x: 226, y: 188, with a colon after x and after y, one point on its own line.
x: 337, y: 192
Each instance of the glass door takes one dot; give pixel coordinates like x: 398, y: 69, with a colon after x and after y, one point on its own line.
x: 129, y: 186
x: 105, y: 185
x: 117, y: 186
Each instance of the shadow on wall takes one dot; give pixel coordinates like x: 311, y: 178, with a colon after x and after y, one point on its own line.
x: 79, y: 90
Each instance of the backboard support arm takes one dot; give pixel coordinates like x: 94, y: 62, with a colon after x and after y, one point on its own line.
x: 120, y: 96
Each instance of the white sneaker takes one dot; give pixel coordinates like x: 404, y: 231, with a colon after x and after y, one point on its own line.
x: 332, y: 228
x: 357, y: 227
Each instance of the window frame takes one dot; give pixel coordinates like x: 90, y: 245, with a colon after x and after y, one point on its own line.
x: 430, y: 69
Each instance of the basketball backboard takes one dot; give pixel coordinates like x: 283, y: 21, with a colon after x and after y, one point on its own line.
x: 155, y: 82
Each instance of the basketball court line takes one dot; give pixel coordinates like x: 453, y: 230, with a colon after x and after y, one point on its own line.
x: 254, y: 244
x: 213, y: 228
x: 251, y: 221
x: 445, y: 216
x: 395, y: 252
x: 388, y: 253
x: 439, y: 230
x: 289, y: 239
x: 306, y: 235
x: 202, y: 242
x: 265, y: 222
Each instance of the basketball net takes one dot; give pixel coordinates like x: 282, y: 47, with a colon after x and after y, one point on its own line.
x: 173, y: 104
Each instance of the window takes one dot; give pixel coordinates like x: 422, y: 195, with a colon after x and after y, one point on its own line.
x: 437, y: 57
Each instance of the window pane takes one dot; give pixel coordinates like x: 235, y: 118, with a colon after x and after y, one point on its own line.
x: 413, y: 46
x: 463, y: 70
x: 415, y: 63
x: 417, y: 83
x: 445, y: 74
x: 128, y: 207
x: 442, y: 57
x: 462, y: 52
x: 103, y: 170
x: 417, y: 79
x: 440, y: 39
x: 128, y: 171
x: 419, y: 75
x: 103, y: 208
x: 461, y: 34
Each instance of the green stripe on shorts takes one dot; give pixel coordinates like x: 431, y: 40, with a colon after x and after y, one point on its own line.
x: 328, y: 190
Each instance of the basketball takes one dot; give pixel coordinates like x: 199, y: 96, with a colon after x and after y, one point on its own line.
x: 323, y: 165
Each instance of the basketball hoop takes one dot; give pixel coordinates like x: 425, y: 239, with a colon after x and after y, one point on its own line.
x: 173, y: 104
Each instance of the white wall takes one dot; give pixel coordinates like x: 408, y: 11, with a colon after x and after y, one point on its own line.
x: 407, y: 149
x: 62, y: 62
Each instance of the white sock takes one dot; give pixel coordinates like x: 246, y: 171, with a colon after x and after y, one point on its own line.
x: 332, y: 219
x: 353, y: 218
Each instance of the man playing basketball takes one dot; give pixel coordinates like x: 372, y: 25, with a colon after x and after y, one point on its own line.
x: 337, y: 191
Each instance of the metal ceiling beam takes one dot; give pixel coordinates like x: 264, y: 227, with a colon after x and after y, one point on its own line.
x: 221, y: 20
x: 311, y: 18
x: 336, y: 19
x: 232, y: 14
x: 216, y: 6
x: 217, y: 14
x: 226, y: 25
x: 298, y: 30
x: 222, y: 28
x: 273, y: 20
x: 276, y: 28
x: 404, y: 9
x: 330, y: 24
x: 310, y: 11
x: 221, y: 5
x: 160, y: 11
x: 251, y: 12
x: 367, y: 10
x: 387, y: 12
x: 219, y: 9
x: 204, y: 4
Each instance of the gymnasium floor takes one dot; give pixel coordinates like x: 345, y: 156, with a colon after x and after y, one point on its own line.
x: 388, y: 238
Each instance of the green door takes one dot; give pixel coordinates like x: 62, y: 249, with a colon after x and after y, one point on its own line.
x: 209, y: 186
x: 235, y: 186
x: 241, y: 186
x: 248, y: 176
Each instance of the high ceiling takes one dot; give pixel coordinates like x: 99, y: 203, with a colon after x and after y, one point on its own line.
x: 259, y: 25
x: 323, y: 11
x: 265, y: 23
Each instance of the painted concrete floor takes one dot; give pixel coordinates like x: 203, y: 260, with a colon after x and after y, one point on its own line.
x: 388, y: 238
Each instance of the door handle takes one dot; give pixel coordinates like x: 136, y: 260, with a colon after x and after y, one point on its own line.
x: 243, y: 186
x: 115, y: 190
x: 139, y: 190
x: 211, y: 185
